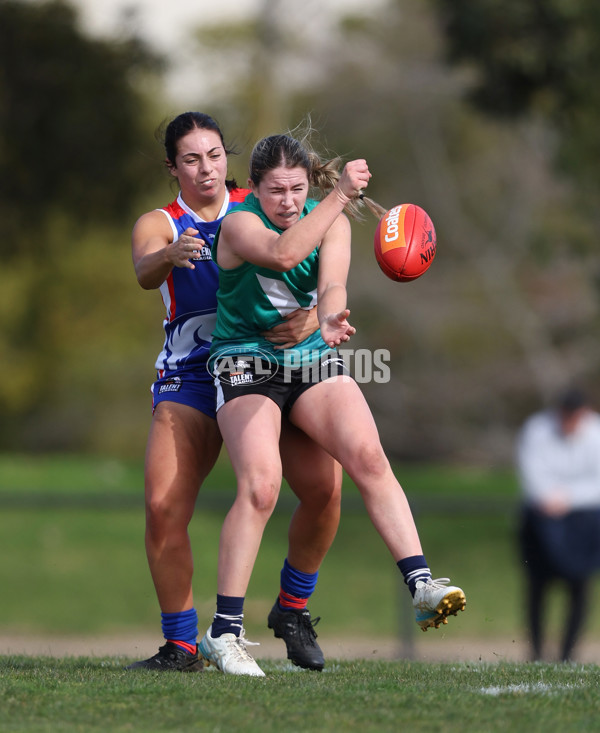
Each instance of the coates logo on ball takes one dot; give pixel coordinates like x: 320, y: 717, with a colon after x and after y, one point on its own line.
x: 405, y: 242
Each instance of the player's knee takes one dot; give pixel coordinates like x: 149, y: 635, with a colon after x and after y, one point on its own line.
x: 370, y: 461
x: 324, y: 497
x: 319, y: 488
x: 262, y: 494
x: 163, y: 516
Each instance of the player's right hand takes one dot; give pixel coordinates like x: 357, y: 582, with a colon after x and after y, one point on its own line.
x: 354, y: 178
x: 184, y: 249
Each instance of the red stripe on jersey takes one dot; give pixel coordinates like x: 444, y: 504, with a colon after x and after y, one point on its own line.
x: 237, y: 195
x: 175, y: 210
x: 172, y: 299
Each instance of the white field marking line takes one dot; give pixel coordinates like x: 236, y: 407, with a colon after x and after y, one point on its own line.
x: 526, y: 688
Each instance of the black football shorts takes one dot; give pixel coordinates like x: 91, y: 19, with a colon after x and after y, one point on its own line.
x: 242, y: 374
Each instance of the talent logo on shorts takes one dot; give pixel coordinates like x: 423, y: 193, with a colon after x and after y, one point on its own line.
x: 172, y: 384
x: 240, y: 369
x: 243, y: 373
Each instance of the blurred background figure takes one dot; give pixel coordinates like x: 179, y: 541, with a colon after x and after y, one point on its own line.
x: 558, y: 460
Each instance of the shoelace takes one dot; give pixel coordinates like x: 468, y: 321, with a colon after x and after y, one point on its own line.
x: 307, y: 626
x: 438, y: 582
x: 239, y: 646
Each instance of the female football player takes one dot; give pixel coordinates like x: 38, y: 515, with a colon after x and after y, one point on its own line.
x: 275, y: 251
x: 171, y: 250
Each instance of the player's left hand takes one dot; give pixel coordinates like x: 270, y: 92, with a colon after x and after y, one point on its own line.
x: 298, y: 325
x: 335, y: 328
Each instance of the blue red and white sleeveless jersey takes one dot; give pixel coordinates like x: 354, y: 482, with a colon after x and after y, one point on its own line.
x: 190, y: 296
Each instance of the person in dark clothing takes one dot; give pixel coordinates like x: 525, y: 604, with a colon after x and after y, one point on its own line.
x: 558, y: 460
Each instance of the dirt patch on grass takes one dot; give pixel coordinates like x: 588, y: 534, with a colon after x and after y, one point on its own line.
x: 434, y: 648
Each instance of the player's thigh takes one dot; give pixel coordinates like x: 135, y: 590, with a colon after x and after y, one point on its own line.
x: 251, y: 427
x: 307, y: 467
x: 183, y: 446
x: 335, y: 414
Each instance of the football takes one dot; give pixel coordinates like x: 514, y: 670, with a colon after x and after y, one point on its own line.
x: 405, y: 242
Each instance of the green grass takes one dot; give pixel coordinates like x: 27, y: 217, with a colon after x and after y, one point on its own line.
x: 76, y: 565
x: 84, y: 571
x: 44, y: 694
x: 73, y: 563
x: 80, y: 475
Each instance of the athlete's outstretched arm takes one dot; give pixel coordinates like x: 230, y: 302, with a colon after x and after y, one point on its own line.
x: 154, y: 252
x: 334, y: 264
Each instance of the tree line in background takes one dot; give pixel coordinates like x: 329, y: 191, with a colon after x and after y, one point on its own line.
x: 483, y: 112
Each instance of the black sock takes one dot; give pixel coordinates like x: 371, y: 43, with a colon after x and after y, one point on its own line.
x: 229, y: 617
x: 414, y: 568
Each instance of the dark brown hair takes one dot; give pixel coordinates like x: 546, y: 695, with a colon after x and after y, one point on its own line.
x: 172, y: 132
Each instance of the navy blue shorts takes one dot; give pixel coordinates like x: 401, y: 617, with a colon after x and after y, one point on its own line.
x: 193, y: 388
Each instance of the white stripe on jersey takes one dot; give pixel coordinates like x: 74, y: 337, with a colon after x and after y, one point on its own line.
x: 280, y: 296
x: 171, y: 223
x: 195, y: 216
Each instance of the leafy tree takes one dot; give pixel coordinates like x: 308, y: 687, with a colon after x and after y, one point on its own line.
x: 75, y: 161
x: 507, y: 312
x: 534, y: 58
x: 70, y: 122
x: 501, y: 319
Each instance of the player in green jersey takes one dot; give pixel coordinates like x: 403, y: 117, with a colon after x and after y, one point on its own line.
x: 274, y: 251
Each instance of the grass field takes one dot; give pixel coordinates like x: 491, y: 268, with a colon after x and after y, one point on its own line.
x: 38, y: 694
x: 77, y: 564
x: 74, y: 565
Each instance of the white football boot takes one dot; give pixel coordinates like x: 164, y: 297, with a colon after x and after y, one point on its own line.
x: 229, y: 654
x: 435, y: 600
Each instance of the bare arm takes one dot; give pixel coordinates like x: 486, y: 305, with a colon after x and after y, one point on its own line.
x: 155, y: 254
x: 244, y: 238
x: 334, y: 263
x: 297, y: 326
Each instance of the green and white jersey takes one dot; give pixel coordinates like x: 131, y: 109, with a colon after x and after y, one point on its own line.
x: 253, y: 299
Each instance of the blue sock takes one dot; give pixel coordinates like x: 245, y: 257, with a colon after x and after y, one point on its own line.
x: 229, y: 617
x: 296, y: 586
x: 181, y: 627
x: 414, y: 568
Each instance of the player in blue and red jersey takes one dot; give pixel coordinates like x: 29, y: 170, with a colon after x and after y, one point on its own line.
x: 171, y: 249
